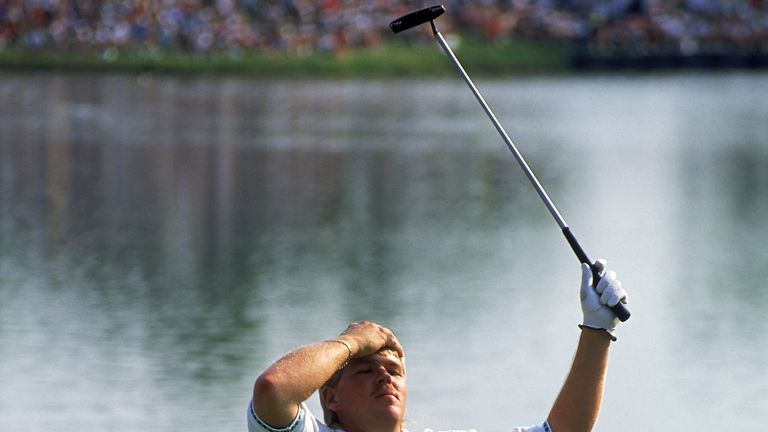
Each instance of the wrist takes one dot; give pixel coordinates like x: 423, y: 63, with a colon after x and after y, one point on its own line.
x: 598, y: 330
x: 350, y: 342
x: 347, y: 346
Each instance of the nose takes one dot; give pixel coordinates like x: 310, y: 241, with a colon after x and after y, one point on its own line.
x: 383, y: 376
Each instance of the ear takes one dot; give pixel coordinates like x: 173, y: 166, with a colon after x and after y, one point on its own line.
x: 330, y: 400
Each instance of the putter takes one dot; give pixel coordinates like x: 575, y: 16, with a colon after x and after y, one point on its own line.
x: 419, y: 17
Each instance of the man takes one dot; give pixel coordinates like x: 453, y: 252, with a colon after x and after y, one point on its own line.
x: 360, y: 376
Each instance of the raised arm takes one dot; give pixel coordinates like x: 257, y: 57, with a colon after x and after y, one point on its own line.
x: 578, y: 404
x: 283, y: 386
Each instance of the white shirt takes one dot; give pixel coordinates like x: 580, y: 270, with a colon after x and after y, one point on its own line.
x: 306, y: 422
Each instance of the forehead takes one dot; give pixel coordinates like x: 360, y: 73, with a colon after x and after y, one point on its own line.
x: 379, y: 358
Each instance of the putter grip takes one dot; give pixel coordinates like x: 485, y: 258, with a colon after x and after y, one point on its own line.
x: 620, y: 310
x: 415, y: 18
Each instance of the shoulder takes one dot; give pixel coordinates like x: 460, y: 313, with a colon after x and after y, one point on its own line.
x: 544, y: 427
x: 305, y: 421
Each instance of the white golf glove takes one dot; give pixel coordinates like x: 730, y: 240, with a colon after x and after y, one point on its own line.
x: 595, y: 301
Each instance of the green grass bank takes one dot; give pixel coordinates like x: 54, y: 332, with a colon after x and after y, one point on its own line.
x: 391, y: 60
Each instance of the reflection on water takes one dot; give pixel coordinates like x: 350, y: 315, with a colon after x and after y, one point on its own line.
x: 163, y: 239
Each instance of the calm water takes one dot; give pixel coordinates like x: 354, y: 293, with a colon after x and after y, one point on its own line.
x: 162, y: 240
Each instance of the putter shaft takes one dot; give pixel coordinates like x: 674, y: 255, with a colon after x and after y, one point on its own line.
x: 429, y: 14
x: 510, y: 145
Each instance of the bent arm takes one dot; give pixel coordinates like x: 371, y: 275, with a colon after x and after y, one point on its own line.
x: 281, y: 388
x: 578, y: 404
x: 291, y: 380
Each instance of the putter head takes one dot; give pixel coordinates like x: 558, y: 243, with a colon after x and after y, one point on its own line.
x: 416, y: 18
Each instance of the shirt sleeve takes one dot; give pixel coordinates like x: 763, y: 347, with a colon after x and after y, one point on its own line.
x: 304, y: 422
x: 544, y: 427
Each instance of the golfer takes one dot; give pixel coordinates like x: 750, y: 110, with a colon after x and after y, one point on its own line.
x: 361, y: 376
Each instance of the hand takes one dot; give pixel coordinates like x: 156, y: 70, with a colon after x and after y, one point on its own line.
x: 367, y: 338
x: 595, y: 302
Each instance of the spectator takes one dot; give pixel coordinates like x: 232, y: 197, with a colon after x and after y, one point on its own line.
x: 333, y: 26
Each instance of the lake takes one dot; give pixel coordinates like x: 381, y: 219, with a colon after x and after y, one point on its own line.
x: 163, y: 239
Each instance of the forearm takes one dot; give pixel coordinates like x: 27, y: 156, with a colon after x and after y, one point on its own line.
x: 578, y: 404
x: 292, y: 379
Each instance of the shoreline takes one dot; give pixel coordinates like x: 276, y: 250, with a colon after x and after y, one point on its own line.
x: 388, y: 61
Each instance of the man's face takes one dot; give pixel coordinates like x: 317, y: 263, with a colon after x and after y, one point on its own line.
x: 372, y: 389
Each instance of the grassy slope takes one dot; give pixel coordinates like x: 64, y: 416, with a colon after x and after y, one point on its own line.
x: 393, y: 60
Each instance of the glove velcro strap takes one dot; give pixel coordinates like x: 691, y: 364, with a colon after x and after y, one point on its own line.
x: 610, y: 333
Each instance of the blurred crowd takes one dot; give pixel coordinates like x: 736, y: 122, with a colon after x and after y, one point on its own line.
x: 306, y: 26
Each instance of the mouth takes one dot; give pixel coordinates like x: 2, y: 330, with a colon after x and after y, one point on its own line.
x: 387, y: 394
